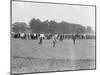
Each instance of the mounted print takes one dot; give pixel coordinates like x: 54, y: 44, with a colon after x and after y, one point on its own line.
x: 52, y: 37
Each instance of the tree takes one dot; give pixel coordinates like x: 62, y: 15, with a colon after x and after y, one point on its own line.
x: 52, y: 26
x: 19, y: 27
x: 89, y: 29
x: 35, y: 25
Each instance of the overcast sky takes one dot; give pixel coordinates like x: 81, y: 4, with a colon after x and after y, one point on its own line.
x: 25, y: 11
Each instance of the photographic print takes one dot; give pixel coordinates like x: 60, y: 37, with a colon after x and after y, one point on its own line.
x: 52, y: 37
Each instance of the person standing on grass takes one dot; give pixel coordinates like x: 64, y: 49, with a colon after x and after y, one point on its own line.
x: 54, y: 40
x: 73, y: 38
x: 61, y: 37
x: 41, y: 38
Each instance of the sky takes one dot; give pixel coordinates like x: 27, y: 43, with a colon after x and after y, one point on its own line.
x: 25, y: 11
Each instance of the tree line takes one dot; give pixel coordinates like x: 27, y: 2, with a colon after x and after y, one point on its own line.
x: 38, y: 26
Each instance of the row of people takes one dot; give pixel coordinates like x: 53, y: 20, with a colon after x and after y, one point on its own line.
x: 54, y: 37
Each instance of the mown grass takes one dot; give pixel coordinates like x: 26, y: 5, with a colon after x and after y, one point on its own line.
x: 30, y: 64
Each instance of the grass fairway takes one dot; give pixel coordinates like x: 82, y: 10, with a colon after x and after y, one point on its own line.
x: 29, y: 56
